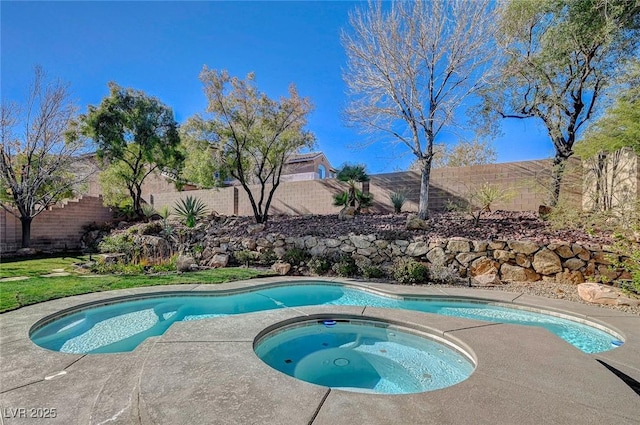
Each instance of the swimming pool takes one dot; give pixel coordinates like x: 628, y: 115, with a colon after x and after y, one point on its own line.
x: 121, y: 325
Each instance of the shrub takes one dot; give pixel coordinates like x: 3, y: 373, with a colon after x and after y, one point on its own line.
x: 148, y: 211
x: 373, y: 272
x: 320, y: 265
x: 267, y: 257
x: 296, y: 256
x: 397, y: 200
x: 118, y: 268
x: 409, y: 271
x: 190, y: 210
x: 444, y: 274
x: 345, y: 266
x: 245, y: 257
x: 120, y: 243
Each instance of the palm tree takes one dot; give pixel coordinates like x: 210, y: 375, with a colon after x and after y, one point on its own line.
x: 353, y: 197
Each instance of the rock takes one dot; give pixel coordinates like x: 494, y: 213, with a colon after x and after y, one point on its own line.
x: 574, y: 264
x: 249, y: 244
x: 360, y: 241
x: 486, y: 280
x: 523, y: 261
x: 347, y: 248
x: 564, y: 251
x: 458, y: 245
x: 281, y: 268
x: 496, y: 245
x: 332, y: 243
x: 417, y: 249
x: 480, y: 246
x: 25, y: 252
x: 568, y: 276
x: 580, y: 252
x: 502, y: 255
x: 255, y: 228
x: 608, y: 272
x: 263, y: 242
x: 484, y: 265
x: 310, y: 241
x: 153, y: 246
x: 511, y: 273
x: 219, y: 260
x: 544, y: 210
x: 113, y: 258
x: 361, y: 261
x: 184, y: 263
x: 465, y: 258
x: 523, y: 247
x: 381, y: 244
x: 602, y: 294
x: 318, y: 250
x: 347, y: 213
x: 601, y: 257
x: 415, y: 223
x: 546, y: 262
x: 280, y: 252
x: 437, y: 257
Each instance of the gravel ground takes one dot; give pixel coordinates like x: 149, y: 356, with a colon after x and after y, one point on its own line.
x: 496, y: 225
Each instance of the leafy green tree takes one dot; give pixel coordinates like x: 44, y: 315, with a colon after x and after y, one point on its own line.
x: 39, y: 149
x: 620, y: 125
x: 353, y: 197
x: 203, y: 164
x: 558, y: 58
x: 255, y: 134
x: 136, y: 135
x: 411, y: 69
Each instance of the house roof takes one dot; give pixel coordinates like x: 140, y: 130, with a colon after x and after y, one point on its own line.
x: 303, y: 157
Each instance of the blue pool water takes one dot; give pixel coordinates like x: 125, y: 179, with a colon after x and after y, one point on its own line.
x: 122, y: 326
x: 363, y: 355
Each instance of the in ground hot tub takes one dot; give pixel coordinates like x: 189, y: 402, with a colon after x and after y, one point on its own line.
x: 363, y: 354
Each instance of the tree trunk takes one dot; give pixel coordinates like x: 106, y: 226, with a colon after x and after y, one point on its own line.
x: 26, y: 231
x: 559, y: 163
x: 423, y: 208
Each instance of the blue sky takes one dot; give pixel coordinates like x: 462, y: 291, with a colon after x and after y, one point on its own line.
x: 161, y: 47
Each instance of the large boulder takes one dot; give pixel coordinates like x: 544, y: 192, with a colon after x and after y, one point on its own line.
x: 219, y: 260
x: 186, y: 263
x: 484, y: 266
x: 486, y: 280
x: 416, y: 223
x: 437, y: 257
x: 281, y: 268
x: 602, y: 294
x: 153, y: 246
x: 417, y: 249
x: 458, y: 245
x: 511, y: 273
x: 547, y: 262
x: 523, y: 247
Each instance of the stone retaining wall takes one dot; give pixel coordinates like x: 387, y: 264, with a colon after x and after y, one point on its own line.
x: 484, y: 261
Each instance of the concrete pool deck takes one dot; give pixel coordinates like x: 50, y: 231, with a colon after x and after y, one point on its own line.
x: 206, y: 372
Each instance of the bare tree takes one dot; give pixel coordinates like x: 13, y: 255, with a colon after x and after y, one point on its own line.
x: 39, y: 147
x: 412, y: 67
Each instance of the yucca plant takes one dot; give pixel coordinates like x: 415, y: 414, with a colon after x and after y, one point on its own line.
x: 397, y: 200
x: 190, y: 210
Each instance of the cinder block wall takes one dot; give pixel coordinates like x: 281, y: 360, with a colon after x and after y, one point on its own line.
x: 60, y: 227
x: 524, y: 181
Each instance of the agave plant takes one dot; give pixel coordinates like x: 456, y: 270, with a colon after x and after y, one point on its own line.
x: 190, y: 210
x: 397, y: 200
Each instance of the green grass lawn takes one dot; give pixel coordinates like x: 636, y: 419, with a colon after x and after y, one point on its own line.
x: 35, y: 289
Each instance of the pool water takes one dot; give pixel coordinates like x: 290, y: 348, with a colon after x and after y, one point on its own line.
x: 364, y: 356
x: 122, y: 326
